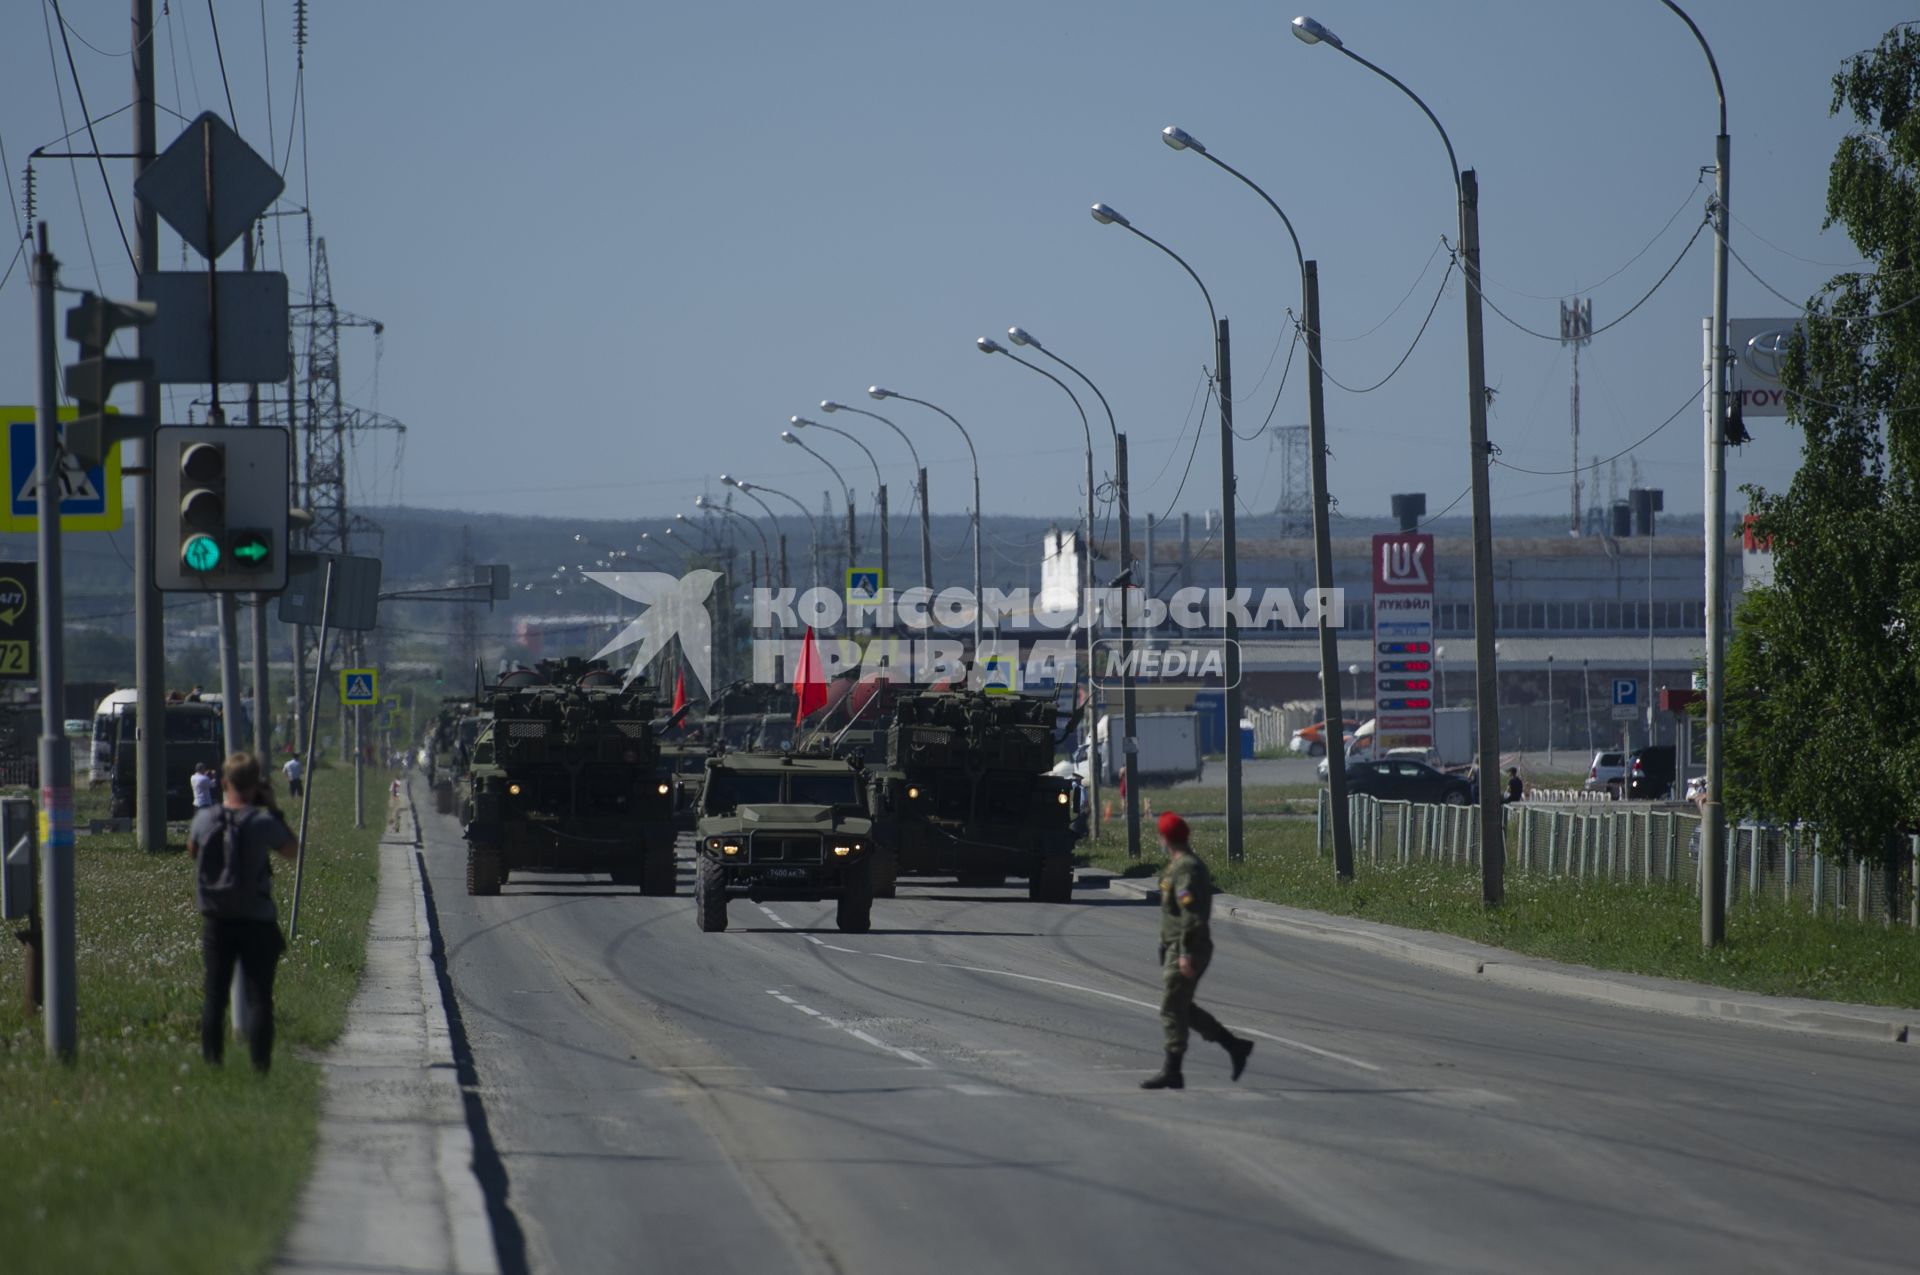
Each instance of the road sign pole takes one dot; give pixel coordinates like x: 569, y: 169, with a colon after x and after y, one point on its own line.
x: 56, y: 755
x: 307, y: 771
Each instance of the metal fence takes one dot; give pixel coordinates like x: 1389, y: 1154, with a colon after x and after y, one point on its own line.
x: 1632, y: 843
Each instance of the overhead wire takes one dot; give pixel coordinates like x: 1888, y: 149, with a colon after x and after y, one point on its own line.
x: 1605, y: 460
x: 60, y: 97
x: 1411, y: 288
x: 1574, y: 292
x: 213, y: 20
x: 1441, y: 291
x: 1191, y: 453
x: 1278, y: 390
x: 1206, y: 379
x: 1801, y: 308
x: 1828, y: 265
x: 1658, y: 284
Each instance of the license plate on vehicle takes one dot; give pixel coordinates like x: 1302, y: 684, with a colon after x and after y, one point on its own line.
x: 787, y: 874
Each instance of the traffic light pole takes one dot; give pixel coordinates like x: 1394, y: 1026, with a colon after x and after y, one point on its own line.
x: 56, y: 755
x: 149, y: 635
x: 306, y: 769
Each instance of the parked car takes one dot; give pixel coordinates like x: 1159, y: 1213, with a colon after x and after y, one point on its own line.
x: 1403, y: 779
x: 1312, y: 740
x: 1650, y: 772
x: 1409, y: 754
x: 1608, y: 773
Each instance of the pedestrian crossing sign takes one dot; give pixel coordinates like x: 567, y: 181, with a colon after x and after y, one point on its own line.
x: 89, y: 494
x: 359, y: 687
x: 863, y: 587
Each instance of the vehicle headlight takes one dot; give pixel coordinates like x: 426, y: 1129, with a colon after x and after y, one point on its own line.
x: 664, y: 789
x: 513, y: 790
x: 730, y: 848
x: 1060, y: 797
x: 913, y: 794
x: 841, y: 852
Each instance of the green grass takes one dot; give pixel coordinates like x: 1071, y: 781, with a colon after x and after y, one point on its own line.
x: 1641, y: 929
x: 1204, y: 799
x: 139, y: 1156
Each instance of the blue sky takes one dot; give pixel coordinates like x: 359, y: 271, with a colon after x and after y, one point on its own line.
x: 616, y: 245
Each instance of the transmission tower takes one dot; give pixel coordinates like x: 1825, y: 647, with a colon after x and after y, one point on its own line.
x: 1295, y: 510
x: 326, y: 467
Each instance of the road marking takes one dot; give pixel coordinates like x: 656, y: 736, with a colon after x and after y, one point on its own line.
x: 852, y: 1031
x: 980, y: 1091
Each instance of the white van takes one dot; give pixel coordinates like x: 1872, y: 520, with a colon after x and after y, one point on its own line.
x: 100, y: 760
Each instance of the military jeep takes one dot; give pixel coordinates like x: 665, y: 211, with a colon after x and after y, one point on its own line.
x: 783, y: 826
x: 565, y: 778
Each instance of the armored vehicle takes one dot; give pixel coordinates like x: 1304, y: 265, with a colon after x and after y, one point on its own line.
x: 966, y: 792
x: 783, y: 826
x: 565, y: 779
x: 447, y: 752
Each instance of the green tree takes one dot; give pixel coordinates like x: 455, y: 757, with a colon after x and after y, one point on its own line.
x: 1823, y: 670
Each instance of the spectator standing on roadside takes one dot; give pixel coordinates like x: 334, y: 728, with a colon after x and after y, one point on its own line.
x: 294, y: 772
x: 1515, y: 789
x: 204, y: 784
x: 231, y: 845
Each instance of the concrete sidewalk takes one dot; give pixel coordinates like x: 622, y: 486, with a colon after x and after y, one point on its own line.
x: 1498, y: 965
x: 393, y: 1186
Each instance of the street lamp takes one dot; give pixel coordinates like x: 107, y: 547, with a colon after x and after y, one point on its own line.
x: 1353, y: 671
x: 1229, y: 554
x: 853, y: 548
x: 879, y: 483
x: 711, y: 541
x: 1713, y: 864
x: 1181, y: 140
x: 649, y: 541
x: 979, y: 598
x: 813, y: 526
x: 987, y: 345
x: 751, y: 492
x: 1128, y: 699
x: 920, y: 489
x: 1439, y: 667
x: 1493, y: 847
x: 766, y: 555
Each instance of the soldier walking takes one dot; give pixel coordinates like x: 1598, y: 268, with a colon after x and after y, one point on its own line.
x: 1186, y: 948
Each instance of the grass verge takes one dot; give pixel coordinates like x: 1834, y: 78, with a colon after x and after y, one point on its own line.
x: 1641, y: 929
x: 139, y: 1156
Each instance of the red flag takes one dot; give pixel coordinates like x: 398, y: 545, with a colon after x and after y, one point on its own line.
x: 680, y: 690
x: 809, y: 684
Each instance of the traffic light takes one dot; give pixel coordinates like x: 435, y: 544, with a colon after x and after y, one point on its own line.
x: 220, y: 509
x: 92, y: 323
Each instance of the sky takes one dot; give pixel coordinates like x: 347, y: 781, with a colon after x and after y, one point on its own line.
x: 614, y: 246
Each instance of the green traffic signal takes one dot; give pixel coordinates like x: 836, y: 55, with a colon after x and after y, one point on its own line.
x: 251, y: 550
x: 200, y: 553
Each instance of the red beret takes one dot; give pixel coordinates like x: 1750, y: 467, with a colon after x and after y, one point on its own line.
x: 1174, y: 828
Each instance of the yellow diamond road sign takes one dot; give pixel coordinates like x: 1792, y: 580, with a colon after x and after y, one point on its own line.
x: 359, y: 686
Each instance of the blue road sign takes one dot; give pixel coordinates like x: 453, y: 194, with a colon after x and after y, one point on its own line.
x: 1626, y: 692
x: 89, y: 495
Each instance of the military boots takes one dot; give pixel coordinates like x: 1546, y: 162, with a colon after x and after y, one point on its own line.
x: 1168, y: 1077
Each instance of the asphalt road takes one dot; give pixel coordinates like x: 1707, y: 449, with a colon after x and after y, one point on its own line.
x: 955, y: 1092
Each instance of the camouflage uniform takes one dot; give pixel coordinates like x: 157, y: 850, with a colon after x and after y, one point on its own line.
x: 1186, y: 901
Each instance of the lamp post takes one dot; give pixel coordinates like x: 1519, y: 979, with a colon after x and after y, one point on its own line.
x: 711, y: 541
x: 813, y: 526
x: 766, y: 555
x: 920, y: 491
x: 1229, y: 560
x: 979, y: 598
x: 987, y: 345
x: 1128, y: 698
x: 1493, y: 846
x: 650, y: 541
x: 1181, y: 140
x: 879, y: 483
x: 1440, y: 667
x: 1549, y: 710
x: 1713, y: 863
x: 752, y: 493
x: 853, y: 546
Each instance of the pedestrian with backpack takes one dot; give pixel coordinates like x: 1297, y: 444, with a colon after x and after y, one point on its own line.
x: 231, y: 845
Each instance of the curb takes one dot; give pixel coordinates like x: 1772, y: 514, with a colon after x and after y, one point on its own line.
x: 393, y: 1184
x: 1498, y: 965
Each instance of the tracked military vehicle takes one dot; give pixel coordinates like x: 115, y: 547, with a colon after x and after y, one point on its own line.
x: 565, y: 778
x: 447, y: 752
x: 965, y: 793
x: 783, y: 826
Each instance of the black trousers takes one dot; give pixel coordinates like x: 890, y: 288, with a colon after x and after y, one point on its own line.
x: 256, y: 946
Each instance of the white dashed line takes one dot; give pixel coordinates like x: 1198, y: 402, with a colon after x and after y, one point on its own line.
x: 852, y: 1031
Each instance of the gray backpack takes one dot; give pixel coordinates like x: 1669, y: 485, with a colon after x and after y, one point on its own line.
x: 229, y: 879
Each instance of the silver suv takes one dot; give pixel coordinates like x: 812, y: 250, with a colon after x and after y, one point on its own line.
x: 1608, y: 773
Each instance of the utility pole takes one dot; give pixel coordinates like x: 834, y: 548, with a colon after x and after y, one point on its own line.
x: 1229, y: 579
x: 1323, y: 579
x: 59, y: 992
x: 1129, y: 706
x: 886, y: 555
x: 1493, y: 846
x: 926, y: 536
x: 1713, y: 863
x: 1576, y: 329
x: 257, y: 617
x: 149, y: 624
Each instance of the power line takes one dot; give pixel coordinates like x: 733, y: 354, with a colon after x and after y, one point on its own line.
x: 1278, y: 390
x: 1438, y: 293
x: 1658, y: 284
x: 1191, y: 453
x: 233, y: 116
x: 60, y: 99
x: 1575, y: 292
x: 1344, y: 340
x: 1829, y: 265
x: 1801, y: 308
x: 1604, y: 460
